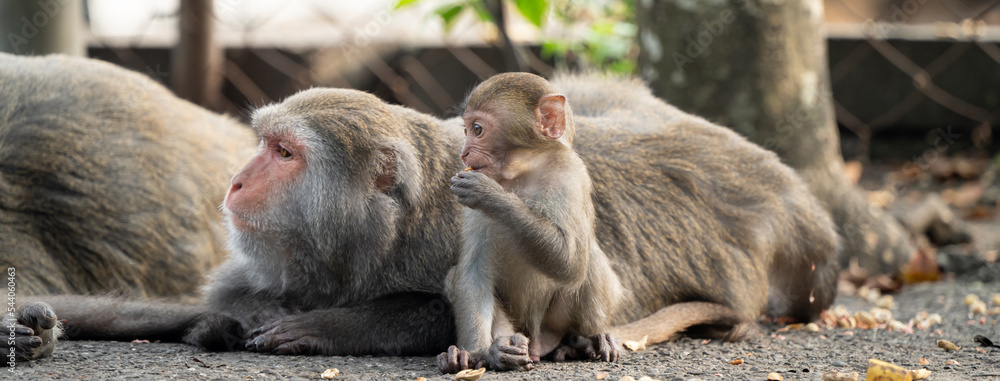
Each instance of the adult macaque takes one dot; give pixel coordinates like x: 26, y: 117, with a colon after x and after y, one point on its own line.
x: 108, y: 184
x: 529, y: 262
x: 339, y: 243
x: 343, y: 228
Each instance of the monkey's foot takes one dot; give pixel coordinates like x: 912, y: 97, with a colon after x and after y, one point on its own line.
x: 290, y: 335
x: 742, y: 332
x: 35, y: 331
x: 217, y: 333
x: 456, y: 360
x: 510, y: 353
x: 597, y: 347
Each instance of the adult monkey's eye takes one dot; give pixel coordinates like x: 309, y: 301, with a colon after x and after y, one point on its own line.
x: 284, y: 152
x: 477, y: 129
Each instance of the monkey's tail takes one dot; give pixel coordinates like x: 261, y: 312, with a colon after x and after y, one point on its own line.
x: 667, y: 323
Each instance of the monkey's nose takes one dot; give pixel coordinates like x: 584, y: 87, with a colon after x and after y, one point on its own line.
x: 235, y: 187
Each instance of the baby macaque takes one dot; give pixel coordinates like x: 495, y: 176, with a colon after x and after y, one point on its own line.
x: 530, y: 274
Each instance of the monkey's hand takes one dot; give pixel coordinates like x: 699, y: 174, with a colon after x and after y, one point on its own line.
x: 456, y: 360
x: 35, y: 331
x: 597, y: 347
x: 289, y: 335
x: 477, y: 190
x: 510, y: 353
x: 218, y: 333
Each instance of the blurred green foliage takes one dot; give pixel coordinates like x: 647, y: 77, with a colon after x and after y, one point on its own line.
x: 597, y: 34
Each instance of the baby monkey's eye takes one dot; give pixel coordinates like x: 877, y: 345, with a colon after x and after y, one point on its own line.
x: 284, y: 152
x: 477, y: 129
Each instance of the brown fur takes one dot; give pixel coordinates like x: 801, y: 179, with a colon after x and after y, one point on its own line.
x: 686, y: 211
x: 108, y: 183
x: 690, y: 211
x: 529, y: 262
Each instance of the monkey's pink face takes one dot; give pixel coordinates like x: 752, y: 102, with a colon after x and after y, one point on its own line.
x: 254, y: 190
x: 483, y: 145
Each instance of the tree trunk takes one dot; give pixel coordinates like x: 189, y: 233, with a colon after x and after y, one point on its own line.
x: 197, y: 59
x: 760, y: 68
x: 42, y: 27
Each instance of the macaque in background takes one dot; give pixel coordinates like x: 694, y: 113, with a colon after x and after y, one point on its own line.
x: 529, y: 261
x: 109, y: 184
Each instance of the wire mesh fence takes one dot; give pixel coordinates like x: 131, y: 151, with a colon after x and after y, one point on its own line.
x: 892, y: 62
x: 958, y: 41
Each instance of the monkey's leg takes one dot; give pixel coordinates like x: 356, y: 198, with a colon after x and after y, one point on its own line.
x: 508, y: 351
x: 35, y: 330
x: 406, y: 324
x: 603, y: 346
x: 109, y: 318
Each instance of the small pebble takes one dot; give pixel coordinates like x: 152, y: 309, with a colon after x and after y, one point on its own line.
x: 839, y: 364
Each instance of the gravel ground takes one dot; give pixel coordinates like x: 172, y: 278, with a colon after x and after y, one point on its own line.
x: 795, y: 355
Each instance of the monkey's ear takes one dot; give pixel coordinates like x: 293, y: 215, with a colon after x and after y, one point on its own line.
x: 398, y: 168
x: 552, y: 116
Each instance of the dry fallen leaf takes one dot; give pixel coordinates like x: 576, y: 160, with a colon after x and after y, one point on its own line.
x: 773, y: 376
x: 951, y: 362
x: 865, y: 320
x: 881, y: 198
x: 923, y: 267
x: 881, y: 315
x: 898, y: 326
x: 982, y: 212
x: 947, y: 345
x: 971, y: 298
x: 965, y: 196
x: 924, y: 362
x: 736, y: 362
x: 884, y: 302
x: 935, y: 319
x: 636, y: 346
x: 837, y: 376
x: 920, y: 374
x: 977, y: 308
x: 330, y: 373
x: 881, y: 370
x: 847, y: 322
x: 421, y: 379
x: 601, y: 375
x: 470, y: 374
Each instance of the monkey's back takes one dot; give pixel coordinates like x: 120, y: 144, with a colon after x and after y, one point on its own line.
x: 107, y: 181
x: 690, y: 211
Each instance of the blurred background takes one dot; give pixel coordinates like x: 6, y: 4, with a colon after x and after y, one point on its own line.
x: 899, y: 97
